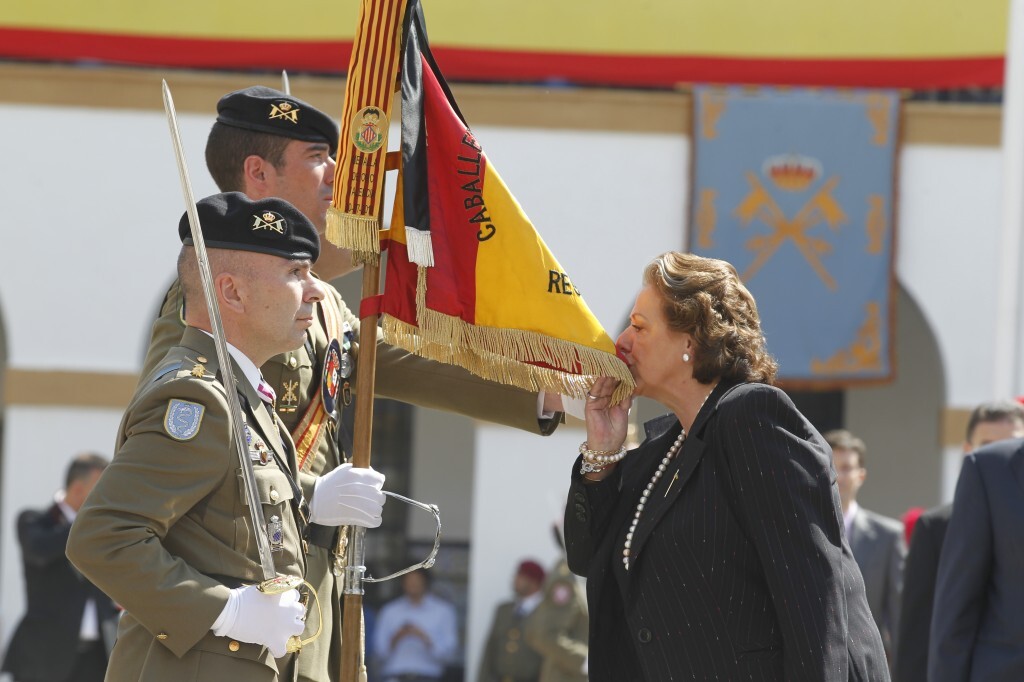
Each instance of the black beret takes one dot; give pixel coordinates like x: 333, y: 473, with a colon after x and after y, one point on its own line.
x: 271, y: 111
x: 234, y: 221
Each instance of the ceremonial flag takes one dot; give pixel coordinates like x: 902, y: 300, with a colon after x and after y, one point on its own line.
x: 470, y: 281
x: 352, y: 220
x: 795, y: 188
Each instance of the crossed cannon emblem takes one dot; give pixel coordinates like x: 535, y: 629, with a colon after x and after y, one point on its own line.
x: 822, y: 207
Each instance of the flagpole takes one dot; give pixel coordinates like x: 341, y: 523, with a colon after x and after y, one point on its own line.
x: 352, y: 653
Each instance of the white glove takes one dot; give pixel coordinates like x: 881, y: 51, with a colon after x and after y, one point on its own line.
x: 348, y: 497
x: 258, y: 618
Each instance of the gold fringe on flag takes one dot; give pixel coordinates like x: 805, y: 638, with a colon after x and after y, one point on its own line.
x: 353, y: 219
x: 506, y: 355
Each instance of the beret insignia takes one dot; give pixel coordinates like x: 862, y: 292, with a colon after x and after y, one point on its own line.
x: 284, y: 111
x: 269, y: 221
x: 183, y: 418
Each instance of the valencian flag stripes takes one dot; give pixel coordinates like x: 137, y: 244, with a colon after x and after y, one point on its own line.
x: 486, y: 293
x: 352, y: 220
x: 795, y: 188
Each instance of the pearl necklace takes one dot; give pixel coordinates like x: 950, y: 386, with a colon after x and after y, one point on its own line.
x: 665, y: 461
x: 669, y: 456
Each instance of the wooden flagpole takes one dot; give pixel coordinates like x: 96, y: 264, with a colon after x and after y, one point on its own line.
x: 352, y: 645
x: 353, y: 222
x: 352, y: 654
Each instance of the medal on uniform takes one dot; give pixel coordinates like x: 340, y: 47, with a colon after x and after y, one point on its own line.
x: 275, y: 532
x: 258, y: 451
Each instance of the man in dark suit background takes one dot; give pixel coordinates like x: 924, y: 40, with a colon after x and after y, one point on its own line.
x: 61, y: 636
x: 977, y: 632
x: 876, y: 541
x: 988, y: 423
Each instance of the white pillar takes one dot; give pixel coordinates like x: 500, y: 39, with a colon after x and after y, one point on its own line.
x: 1007, y: 370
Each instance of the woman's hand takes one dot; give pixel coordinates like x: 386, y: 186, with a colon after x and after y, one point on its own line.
x: 607, y: 423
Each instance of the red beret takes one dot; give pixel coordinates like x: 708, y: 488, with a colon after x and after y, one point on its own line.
x: 531, y: 569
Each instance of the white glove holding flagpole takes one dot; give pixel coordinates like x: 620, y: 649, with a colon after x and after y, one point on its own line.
x: 259, y: 618
x: 348, y: 497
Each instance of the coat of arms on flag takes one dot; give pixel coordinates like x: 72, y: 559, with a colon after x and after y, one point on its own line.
x: 795, y: 189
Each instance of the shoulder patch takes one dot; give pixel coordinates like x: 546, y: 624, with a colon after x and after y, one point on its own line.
x: 183, y: 418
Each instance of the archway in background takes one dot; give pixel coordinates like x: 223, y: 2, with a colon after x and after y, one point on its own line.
x: 901, y: 422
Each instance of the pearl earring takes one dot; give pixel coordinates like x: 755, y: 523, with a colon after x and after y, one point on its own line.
x: 686, y: 357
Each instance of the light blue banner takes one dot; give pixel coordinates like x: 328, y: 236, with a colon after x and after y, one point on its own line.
x: 794, y: 187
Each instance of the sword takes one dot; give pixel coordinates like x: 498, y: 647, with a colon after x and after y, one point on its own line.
x: 272, y: 582
x: 285, y: 85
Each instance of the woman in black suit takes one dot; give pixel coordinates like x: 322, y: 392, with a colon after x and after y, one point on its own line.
x: 714, y: 550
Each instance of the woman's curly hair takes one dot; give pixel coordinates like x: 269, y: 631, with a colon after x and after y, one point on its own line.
x: 705, y: 298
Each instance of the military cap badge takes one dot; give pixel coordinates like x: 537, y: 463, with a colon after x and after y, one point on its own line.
x: 269, y: 220
x: 284, y: 111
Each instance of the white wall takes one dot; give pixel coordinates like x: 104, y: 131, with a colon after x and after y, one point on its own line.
x: 949, y: 222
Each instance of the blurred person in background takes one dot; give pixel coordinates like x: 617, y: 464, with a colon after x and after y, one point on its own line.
x: 877, y: 541
x: 68, y: 627
x: 989, y: 423
x: 507, y: 657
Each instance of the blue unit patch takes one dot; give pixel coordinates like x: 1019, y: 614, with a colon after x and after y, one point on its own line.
x: 183, y: 419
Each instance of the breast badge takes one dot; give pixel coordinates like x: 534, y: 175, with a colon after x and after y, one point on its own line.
x: 275, y: 532
x: 259, y: 452
x: 182, y: 419
x: 290, y: 400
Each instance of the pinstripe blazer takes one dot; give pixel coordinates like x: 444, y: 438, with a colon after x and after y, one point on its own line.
x: 740, y: 569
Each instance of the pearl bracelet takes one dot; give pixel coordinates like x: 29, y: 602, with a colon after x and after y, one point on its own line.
x: 601, y: 458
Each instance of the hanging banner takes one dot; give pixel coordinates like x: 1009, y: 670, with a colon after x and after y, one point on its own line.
x: 660, y: 43
x: 795, y: 189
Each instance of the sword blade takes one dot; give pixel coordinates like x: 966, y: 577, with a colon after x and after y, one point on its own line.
x: 223, y: 356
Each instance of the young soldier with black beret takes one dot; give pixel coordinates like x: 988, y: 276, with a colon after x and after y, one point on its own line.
x: 166, y: 532
x: 266, y: 143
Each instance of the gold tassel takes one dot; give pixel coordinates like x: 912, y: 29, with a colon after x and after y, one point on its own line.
x: 354, y: 232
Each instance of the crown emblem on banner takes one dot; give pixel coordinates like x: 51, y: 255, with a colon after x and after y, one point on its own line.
x: 792, y: 172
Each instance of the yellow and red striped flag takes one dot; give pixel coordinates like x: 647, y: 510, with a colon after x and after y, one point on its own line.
x: 352, y: 220
x: 470, y: 281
